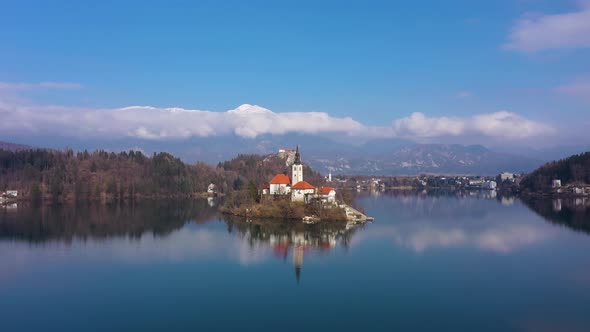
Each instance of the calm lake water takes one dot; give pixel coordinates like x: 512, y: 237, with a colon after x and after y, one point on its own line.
x: 428, y: 263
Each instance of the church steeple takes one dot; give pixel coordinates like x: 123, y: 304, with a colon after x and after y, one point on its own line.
x: 297, y: 169
x: 297, y: 156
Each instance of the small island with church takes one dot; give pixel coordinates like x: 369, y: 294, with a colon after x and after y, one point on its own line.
x: 291, y: 197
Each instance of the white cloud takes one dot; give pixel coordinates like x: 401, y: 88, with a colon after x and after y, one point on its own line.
x: 47, y: 85
x: 535, y: 32
x: 507, y: 124
x: 420, y: 125
x: 500, y: 124
x: 246, y: 121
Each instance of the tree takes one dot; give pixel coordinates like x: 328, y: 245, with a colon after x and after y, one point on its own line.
x: 253, y: 191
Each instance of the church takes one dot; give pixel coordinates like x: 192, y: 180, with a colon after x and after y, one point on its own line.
x: 299, y: 189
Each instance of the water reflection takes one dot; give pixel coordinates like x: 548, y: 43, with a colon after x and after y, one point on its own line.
x: 42, y: 223
x: 148, y: 265
x: 573, y: 213
x: 159, y: 230
x: 180, y: 230
x: 444, y: 220
x: 288, y: 236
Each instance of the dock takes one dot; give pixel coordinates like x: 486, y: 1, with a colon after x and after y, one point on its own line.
x: 355, y: 215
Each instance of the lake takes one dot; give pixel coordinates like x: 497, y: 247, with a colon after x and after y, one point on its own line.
x: 429, y: 262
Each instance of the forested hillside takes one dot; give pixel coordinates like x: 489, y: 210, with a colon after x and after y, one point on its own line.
x: 575, y: 169
x: 65, y: 175
x: 261, y: 169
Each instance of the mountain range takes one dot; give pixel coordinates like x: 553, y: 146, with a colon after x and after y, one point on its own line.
x: 342, y: 156
x: 13, y: 146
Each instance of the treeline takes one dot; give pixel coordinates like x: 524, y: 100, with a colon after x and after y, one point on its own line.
x: 41, y: 174
x: 65, y: 175
x: 248, y: 169
x: 572, y: 170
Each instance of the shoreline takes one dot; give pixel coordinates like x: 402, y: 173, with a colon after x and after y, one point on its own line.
x: 288, y: 210
x: 109, y: 198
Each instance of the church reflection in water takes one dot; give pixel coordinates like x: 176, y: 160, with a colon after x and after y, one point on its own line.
x: 291, y: 237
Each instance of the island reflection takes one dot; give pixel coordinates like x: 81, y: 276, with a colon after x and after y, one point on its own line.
x: 162, y: 230
x: 287, y: 236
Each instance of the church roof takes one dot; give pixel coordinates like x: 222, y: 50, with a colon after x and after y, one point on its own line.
x: 325, y: 190
x: 280, y: 179
x: 303, y: 185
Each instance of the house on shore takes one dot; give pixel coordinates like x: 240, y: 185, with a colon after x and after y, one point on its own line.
x: 302, y: 192
x: 327, y: 194
x: 280, y: 185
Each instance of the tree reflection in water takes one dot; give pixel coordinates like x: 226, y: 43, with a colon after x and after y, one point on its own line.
x: 40, y: 223
x: 573, y: 213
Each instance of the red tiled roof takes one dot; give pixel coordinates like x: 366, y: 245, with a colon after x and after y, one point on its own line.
x: 265, y: 186
x: 302, y: 185
x: 325, y: 190
x: 280, y: 179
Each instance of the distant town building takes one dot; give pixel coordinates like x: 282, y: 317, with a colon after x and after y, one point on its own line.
x: 288, y: 155
x: 556, y: 184
x: 475, y: 182
x: 489, y: 185
x: 506, y: 176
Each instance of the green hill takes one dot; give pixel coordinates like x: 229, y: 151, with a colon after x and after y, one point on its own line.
x: 571, y: 170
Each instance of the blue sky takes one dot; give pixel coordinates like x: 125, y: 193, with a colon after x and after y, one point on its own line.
x: 373, y: 61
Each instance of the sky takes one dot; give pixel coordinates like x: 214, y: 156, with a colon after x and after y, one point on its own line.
x: 503, y: 72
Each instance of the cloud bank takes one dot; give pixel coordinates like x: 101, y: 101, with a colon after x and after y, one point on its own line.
x: 535, y: 32
x: 247, y: 121
x: 499, y: 124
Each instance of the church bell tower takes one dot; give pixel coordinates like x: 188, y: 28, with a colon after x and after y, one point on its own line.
x: 297, y: 169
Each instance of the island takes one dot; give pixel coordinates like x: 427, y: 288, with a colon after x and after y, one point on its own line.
x: 292, y: 197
